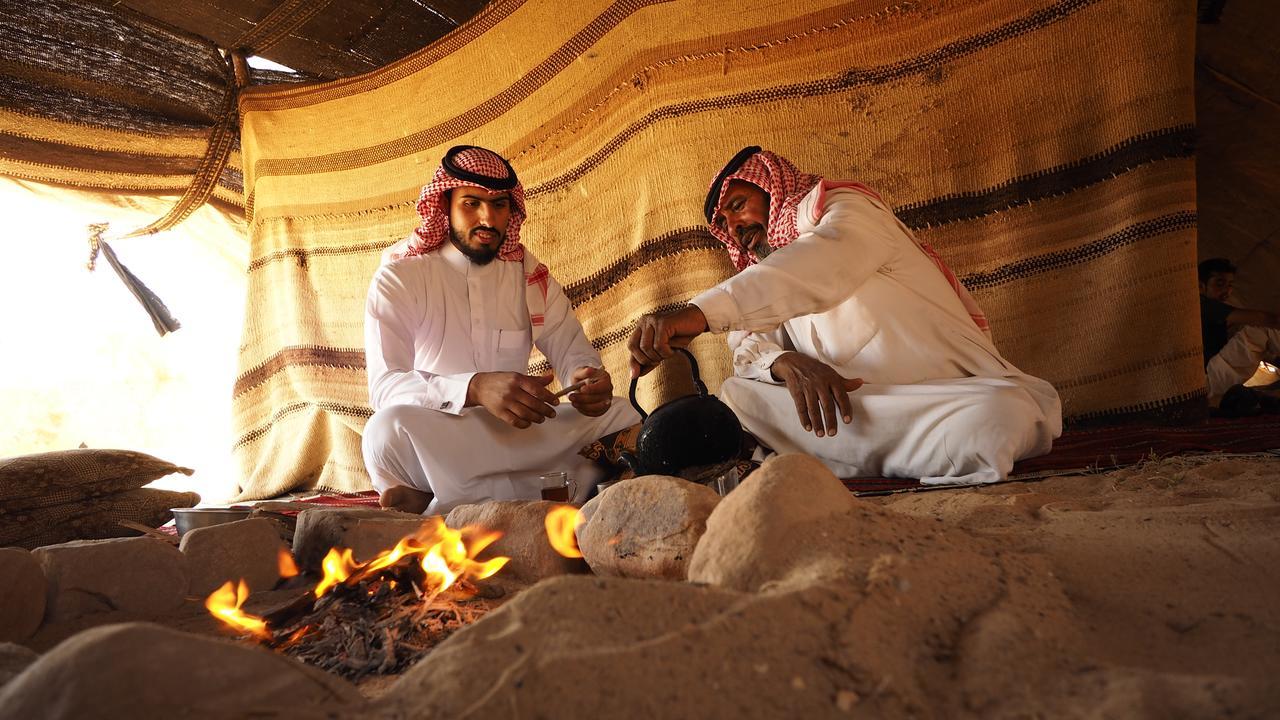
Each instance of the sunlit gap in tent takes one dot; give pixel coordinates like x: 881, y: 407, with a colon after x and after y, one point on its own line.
x: 83, y: 361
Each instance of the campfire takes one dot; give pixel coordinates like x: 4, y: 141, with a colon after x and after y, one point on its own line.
x: 380, y: 616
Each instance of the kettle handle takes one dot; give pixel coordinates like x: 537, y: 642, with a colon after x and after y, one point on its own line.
x: 697, y: 382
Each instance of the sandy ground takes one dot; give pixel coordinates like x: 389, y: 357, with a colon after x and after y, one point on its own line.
x: 1169, y: 567
x: 1173, y: 564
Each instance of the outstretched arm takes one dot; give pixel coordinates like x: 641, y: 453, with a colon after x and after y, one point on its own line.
x: 1260, y: 318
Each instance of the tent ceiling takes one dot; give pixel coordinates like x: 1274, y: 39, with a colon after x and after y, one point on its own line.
x: 342, y: 38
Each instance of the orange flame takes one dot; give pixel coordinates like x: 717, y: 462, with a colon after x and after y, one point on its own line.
x: 447, y: 556
x: 225, y: 604
x: 338, y: 566
x: 560, y: 522
x: 288, y: 568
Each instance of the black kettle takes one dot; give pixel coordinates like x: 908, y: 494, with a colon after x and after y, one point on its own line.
x: 691, y: 431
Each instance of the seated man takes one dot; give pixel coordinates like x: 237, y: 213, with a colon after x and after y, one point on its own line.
x: 839, y: 315
x: 1235, y: 339
x: 447, y: 339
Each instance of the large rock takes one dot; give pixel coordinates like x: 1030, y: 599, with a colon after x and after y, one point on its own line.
x: 585, y: 647
x: 246, y: 550
x: 14, y: 659
x: 524, y: 540
x: 774, y: 523
x: 367, y: 531
x: 646, y: 527
x: 139, y: 670
x: 22, y: 594
x: 142, y: 575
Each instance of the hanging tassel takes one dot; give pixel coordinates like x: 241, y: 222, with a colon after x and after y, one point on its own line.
x: 160, y: 316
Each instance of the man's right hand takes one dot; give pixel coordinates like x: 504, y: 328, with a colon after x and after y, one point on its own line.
x: 817, y: 389
x: 515, y: 399
x: 657, y: 333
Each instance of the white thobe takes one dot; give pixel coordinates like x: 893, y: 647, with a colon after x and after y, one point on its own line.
x: 855, y: 292
x: 431, y: 323
x: 1238, y: 361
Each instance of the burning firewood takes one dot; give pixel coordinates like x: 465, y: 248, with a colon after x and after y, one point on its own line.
x: 377, y: 617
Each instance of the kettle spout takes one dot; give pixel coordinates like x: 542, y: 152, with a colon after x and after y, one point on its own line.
x: 629, y: 459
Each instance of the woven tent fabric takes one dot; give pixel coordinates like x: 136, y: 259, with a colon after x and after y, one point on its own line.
x: 97, y: 98
x: 1043, y: 148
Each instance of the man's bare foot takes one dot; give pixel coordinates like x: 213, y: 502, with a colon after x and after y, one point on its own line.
x: 406, y: 499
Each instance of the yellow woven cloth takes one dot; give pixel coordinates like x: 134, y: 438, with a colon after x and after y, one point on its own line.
x: 1042, y: 147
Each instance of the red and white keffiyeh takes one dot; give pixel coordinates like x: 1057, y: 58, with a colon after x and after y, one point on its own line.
x: 786, y: 187
x: 433, y: 204
x: 489, y: 170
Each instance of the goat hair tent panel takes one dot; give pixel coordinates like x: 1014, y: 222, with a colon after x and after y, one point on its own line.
x: 1044, y: 148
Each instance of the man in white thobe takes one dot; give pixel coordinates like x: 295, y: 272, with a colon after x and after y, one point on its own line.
x: 851, y: 340
x: 1240, y: 344
x: 450, y: 319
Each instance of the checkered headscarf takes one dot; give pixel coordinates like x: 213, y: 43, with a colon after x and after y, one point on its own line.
x: 786, y: 186
x: 481, y: 168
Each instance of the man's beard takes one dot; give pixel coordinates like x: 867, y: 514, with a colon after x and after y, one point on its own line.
x: 755, y: 240
x: 479, y: 255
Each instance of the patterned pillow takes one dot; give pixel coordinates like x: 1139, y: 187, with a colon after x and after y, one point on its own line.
x: 55, y: 478
x: 91, y: 519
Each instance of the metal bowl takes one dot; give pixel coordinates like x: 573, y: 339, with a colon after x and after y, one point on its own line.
x: 191, y: 518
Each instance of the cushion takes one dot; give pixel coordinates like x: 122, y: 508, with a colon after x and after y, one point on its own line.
x: 55, y: 478
x: 90, y: 519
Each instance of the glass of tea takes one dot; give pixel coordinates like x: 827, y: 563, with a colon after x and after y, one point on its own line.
x: 557, y: 486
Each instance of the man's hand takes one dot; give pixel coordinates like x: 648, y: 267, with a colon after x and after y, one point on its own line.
x: 817, y: 390
x: 596, y: 396
x: 655, y: 335
x: 515, y: 399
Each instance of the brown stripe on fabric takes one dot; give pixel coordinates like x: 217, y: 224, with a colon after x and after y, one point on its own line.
x: 265, y: 98
x: 717, y: 49
x: 1162, y: 144
x: 1125, y: 156
x: 665, y: 245
x: 302, y: 255
x: 612, y: 337
x: 1037, y: 264
x: 849, y: 79
x: 293, y: 408
x: 459, y: 125
x: 347, y: 359
x: 54, y: 153
x: 1181, y: 409
x: 1147, y: 364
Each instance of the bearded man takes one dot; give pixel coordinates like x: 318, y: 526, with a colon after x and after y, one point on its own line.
x: 450, y: 319
x: 851, y: 340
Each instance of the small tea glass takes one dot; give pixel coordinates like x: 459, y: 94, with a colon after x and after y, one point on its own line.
x: 557, y: 486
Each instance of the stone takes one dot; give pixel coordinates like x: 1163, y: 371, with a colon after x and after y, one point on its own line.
x: 246, y: 550
x: 141, y: 670
x: 140, y: 575
x: 366, y: 531
x: 589, y: 646
x: 524, y: 540
x: 22, y: 594
x: 646, y: 527
x: 762, y: 530
x: 14, y: 658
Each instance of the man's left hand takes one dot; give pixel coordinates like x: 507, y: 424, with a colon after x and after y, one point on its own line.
x: 596, y: 396
x: 820, y: 393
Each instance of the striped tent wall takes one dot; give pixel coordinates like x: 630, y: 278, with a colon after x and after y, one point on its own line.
x: 1044, y: 148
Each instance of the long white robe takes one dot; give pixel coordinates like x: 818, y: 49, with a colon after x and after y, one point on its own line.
x: 1237, y: 361
x: 855, y: 292
x: 431, y: 323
